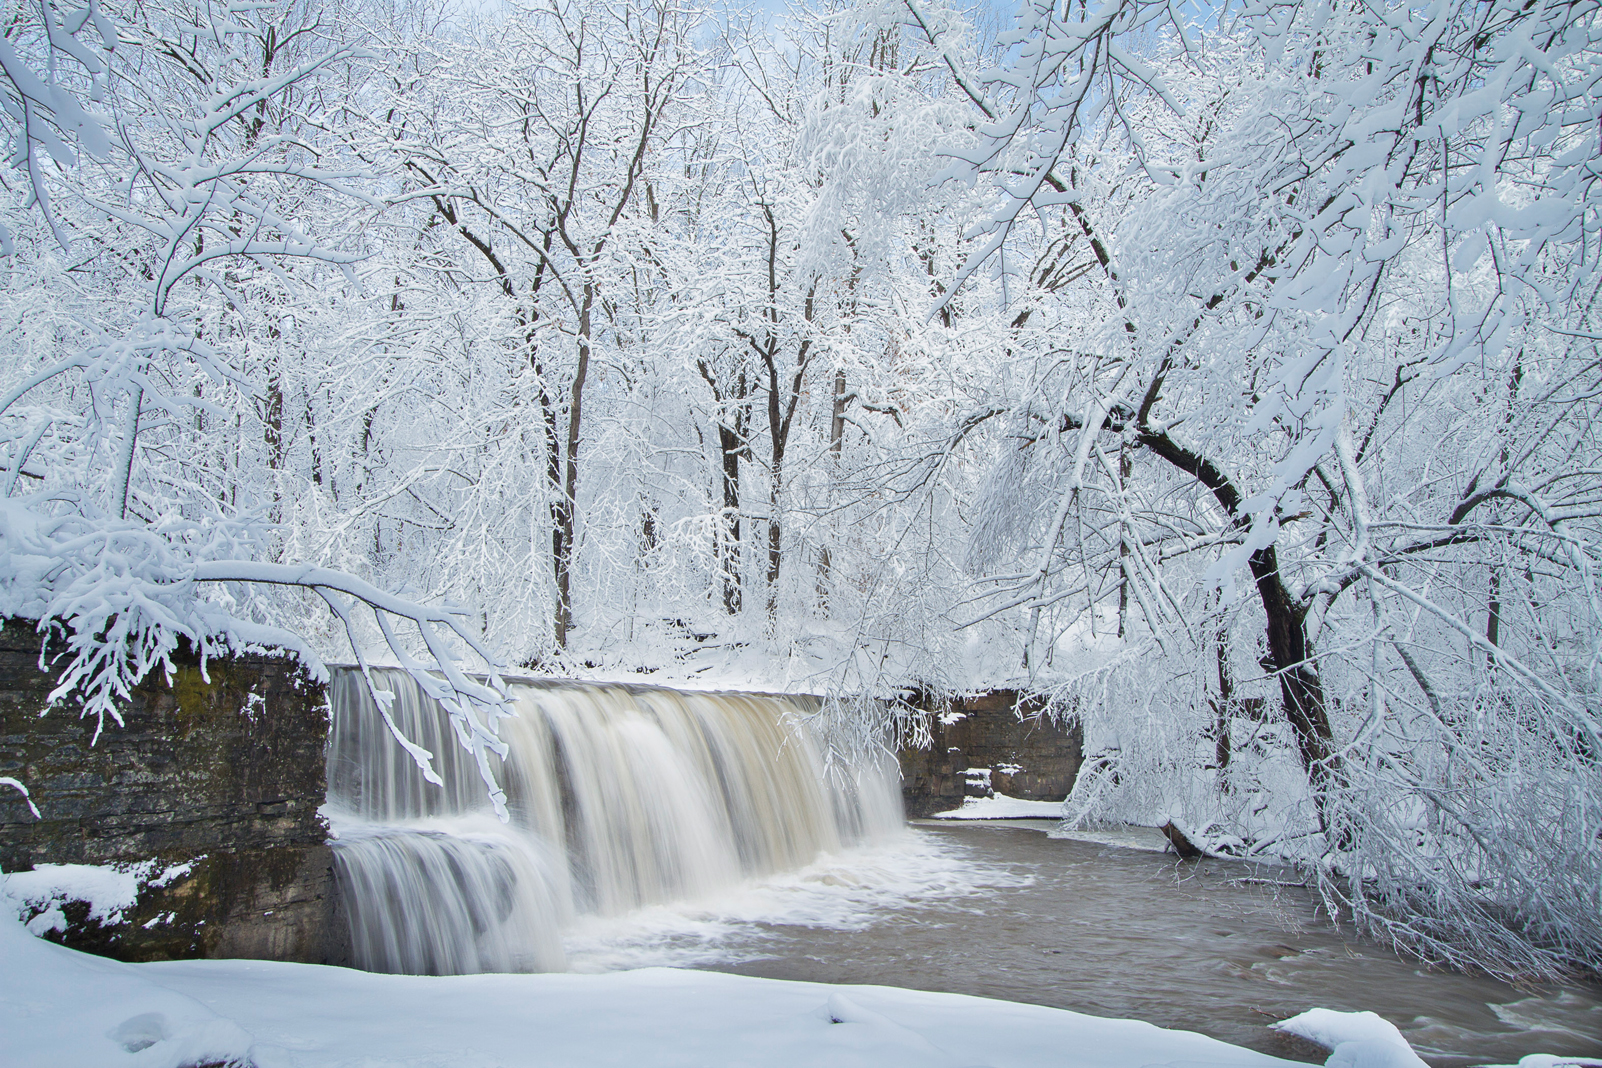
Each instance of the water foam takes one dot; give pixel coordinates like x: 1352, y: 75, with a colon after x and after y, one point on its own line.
x: 847, y: 891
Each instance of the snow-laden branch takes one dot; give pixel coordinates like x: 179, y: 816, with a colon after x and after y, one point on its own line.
x: 190, y: 172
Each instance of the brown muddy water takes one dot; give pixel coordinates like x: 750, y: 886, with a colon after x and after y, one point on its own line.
x: 1206, y: 946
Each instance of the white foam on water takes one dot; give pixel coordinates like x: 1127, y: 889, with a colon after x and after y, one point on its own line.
x: 1554, y: 1015
x: 849, y: 891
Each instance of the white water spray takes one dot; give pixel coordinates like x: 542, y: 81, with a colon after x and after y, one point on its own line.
x: 620, y: 796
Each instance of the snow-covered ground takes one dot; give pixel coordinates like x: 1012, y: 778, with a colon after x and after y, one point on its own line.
x: 63, y: 1009
x: 1001, y: 807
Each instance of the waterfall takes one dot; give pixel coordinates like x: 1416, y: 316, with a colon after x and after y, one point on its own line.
x: 619, y: 796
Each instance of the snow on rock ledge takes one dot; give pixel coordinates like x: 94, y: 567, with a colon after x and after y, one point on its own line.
x: 1001, y: 807
x: 38, y: 896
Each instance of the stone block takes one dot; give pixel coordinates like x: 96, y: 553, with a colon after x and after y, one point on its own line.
x: 221, y: 770
x: 1028, y: 754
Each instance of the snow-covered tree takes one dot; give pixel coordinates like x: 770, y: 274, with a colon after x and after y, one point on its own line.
x: 1331, y: 381
x: 1238, y: 395
x: 156, y: 249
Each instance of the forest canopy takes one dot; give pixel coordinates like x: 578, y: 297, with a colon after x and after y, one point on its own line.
x: 1225, y: 374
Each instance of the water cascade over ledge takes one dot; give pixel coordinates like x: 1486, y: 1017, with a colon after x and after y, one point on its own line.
x: 620, y: 796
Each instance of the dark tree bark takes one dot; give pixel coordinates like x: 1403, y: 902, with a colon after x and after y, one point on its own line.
x: 784, y: 393
x: 1289, y: 652
x: 732, y: 395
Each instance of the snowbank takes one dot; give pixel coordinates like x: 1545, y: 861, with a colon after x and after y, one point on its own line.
x: 1367, y: 1040
x: 37, y: 896
x: 1002, y: 807
x: 62, y: 1009
x: 1354, y: 1039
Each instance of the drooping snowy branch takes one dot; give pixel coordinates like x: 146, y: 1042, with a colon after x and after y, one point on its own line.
x: 189, y: 174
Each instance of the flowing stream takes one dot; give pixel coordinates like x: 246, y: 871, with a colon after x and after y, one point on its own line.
x: 650, y: 826
x: 1215, y: 946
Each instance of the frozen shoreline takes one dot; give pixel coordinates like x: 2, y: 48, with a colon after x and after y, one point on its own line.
x: 1047, y: 816
x: 63, y: 1009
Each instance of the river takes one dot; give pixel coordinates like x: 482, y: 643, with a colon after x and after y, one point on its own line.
x: 1212, y: 946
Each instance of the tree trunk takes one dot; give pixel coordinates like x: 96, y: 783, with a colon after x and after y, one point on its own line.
x: 1226, y: 695
x: 553, y: 482
x: 1126, y: 468
x: 836, y: 448
x: 775, y: 541
x: 273, y: 438
x: 566, y: 507
x: 1300, y: 690
x: 1289, y: 654
x: 130, y: 442
x: 776, y: 438
x: 311, y: 436
x: 730, y: 445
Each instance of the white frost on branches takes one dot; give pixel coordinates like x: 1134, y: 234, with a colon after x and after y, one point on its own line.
x: 1336, y: 357
x: 170, y: 154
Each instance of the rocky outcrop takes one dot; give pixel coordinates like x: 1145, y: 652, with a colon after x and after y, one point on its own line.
x: 986, y: 743
x: 210, y: 787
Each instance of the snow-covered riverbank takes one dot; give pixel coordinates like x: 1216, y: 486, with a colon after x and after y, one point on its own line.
x: 63, y: 1009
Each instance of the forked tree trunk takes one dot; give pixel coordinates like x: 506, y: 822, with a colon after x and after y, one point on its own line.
x: 565, y: 507
x: 1289, y: 652
x: 1300, y: 690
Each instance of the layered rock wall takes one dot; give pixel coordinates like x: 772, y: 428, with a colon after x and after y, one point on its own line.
x: 214, y: 780
x: 992, y: 742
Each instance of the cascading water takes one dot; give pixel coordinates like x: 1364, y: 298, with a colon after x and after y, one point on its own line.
x: 620, y: 796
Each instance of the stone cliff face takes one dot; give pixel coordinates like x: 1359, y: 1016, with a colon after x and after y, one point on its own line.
x: 984, y: 743
x: 217, y: 775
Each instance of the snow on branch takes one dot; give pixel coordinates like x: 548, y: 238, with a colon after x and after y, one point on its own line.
x: 176, y: 147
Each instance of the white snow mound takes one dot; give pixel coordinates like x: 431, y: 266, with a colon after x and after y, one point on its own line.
x: 109, y: 891
x: 1354, y: 1039
x: 1002, y: 807
x: 63, y: 1009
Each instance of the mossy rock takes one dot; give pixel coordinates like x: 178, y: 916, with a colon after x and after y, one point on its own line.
x: 222, y: 768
